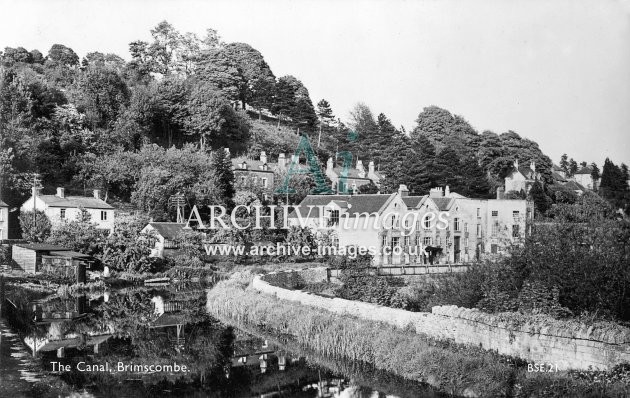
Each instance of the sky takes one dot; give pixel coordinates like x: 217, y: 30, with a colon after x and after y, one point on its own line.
x: 556, y: 72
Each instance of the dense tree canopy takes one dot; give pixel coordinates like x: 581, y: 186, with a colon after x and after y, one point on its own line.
x: 143, y: 130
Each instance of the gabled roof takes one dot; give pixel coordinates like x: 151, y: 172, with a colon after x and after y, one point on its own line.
x: 585, y: 170
x: 442, y: 204
x: 168, y: 230
x: 371, y: 203
x: 252, y: 165
x: 75, y: 201
x: 413, y: 202
x: 352, y: 173
x: 556, y: 168
x: 2, y: 204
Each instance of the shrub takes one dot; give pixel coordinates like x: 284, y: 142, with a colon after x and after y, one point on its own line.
x: 35, y: 228
x: 5, y: 254
x: 286, y: 280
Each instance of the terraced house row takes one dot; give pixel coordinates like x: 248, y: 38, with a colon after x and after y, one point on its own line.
x: 451, y: 228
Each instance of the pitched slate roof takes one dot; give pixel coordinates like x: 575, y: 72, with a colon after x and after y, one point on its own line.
x: 356, y: 203
x: 352, y: 173
x: 413, y: 202
x: 252, y: 165
x: 442, y: 204
x: 75, y: 201
x: 585, y: 170
x: 168, y: 230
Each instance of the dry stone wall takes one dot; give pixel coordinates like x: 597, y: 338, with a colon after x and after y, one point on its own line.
x: 537, y: 339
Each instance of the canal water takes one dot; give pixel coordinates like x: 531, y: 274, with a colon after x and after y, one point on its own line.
x: 160, y: 342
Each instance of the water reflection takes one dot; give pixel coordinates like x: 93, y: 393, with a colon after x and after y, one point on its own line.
x: 168, y: 327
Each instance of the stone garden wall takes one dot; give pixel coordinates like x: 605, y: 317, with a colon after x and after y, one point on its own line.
x: 536, y: 338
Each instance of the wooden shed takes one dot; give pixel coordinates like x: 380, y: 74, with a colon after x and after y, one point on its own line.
x: 40, y: 257
x: 27, y: 257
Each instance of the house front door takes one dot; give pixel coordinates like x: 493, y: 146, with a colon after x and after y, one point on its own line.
x: 456, y: 250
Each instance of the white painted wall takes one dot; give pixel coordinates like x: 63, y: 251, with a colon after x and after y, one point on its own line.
x: 4, y: 223
x: 71, y: 213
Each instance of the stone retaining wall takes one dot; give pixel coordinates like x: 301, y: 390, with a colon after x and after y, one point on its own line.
x: 538, y: 339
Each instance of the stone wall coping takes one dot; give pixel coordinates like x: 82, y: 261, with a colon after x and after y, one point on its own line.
x: 606, y: 332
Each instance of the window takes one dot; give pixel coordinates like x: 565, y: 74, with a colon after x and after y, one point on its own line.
x: 427, y: 223
x: 456, y: 224
x: 516, y: 231
x: 395, y: 241
x: 494, y: 249
x: 103, y: 215
x: 495, y: 228
x: 62, y: 213
x: 427, y: 241
x: 466, y: 227
x: 516, y: 214
x: 406, y: 241
x: 495, y: 213
x: 438, y: 241
x: 243, y: 180
x: 334, y: 217
x: 383, y: 240
x: 479, y: 230
x: 478, y: 212
x: 418, y: 240
x: 1, y: 215
x: 263, y: 182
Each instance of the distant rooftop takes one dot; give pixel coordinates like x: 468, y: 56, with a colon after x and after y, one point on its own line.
x: 355, y: 203
x: 168, y: 230
x: 75, y: 201
x: 41, y: 246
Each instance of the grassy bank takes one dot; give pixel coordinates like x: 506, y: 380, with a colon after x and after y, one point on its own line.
x: 465, y: 371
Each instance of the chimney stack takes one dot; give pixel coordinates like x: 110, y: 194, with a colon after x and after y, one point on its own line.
x: 532, y: 165
x: 403, y: 191
x: 36, y: 191
x: 97, y: 193
x: 516, y: 163
x: 263, y: 157
x: 500, y: 192
x: 447, y: 191
x: 436, y: 192
x: 371, y: 167
x: 61, y: 192
x: 295, y: 159
x: 360, y: 165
